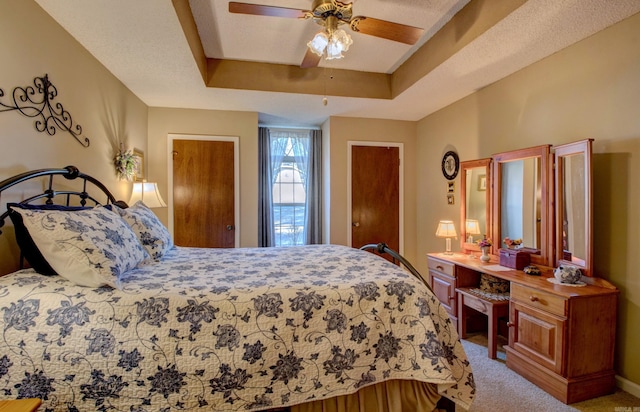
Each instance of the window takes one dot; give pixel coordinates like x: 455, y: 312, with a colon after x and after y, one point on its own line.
x: 288, y: 206
x: 288, y: 176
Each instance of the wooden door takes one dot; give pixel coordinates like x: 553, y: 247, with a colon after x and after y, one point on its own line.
x: 375, y: 196
x: 203, y: 193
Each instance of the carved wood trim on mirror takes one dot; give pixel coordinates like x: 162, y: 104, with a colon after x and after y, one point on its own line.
x: 574, y: 205
x: 521, y: 205
x: 475, y: 203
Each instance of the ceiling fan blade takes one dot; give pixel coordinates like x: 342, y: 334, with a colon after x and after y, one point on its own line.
x: 262, y: 10
x: 386, y: 29
x: 310, y: 60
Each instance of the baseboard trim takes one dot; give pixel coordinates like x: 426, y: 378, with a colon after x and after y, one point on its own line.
x: 628, y: 386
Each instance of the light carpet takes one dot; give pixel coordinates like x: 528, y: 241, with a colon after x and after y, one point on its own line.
x: 499, y: 389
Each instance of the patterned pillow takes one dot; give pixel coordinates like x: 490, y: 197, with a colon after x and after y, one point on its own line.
x: 91, y: 247
x: 148, y: 228
x: 29, y: 250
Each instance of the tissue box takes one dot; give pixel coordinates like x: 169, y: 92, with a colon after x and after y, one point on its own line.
x: 514, y: 258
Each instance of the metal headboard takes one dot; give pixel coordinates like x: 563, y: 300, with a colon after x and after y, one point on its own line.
x: 69, y: 173
x: 397, y: 258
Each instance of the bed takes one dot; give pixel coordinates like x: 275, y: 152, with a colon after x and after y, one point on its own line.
x: 308, y: 328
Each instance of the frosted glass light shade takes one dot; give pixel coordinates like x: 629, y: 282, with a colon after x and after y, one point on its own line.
x: 319, y: 43
x: 149, y: 194
x: 339, y: 42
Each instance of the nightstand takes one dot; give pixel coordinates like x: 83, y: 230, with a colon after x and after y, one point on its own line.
x: 20, y: 405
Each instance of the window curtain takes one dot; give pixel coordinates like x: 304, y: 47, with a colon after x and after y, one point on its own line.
x: 265, y: 194
x: 313, y: 187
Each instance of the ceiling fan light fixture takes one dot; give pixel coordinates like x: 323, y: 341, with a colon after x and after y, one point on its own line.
x: 319, y: 43
x: 336, y: 43
x: 330, y: 14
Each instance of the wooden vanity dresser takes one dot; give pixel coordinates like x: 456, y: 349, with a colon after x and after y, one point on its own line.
x: 561, y: 337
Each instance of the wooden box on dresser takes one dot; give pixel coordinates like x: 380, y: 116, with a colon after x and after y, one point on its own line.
x: 561, y: 337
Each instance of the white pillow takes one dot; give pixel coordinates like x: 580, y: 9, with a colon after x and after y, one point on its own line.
x: 148, y: 228
x: 91, y: 247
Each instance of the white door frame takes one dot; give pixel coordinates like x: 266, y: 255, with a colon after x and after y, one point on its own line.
x: 400, y: 147
x: 236, y: 175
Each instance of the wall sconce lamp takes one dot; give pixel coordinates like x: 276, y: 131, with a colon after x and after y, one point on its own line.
x: 471, y: 227
x: 148, y: 193
x: 447, y: 230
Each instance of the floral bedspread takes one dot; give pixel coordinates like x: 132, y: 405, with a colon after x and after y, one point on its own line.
x: 226, y: 329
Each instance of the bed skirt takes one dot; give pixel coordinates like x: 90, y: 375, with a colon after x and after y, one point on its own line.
x: 388, y: 396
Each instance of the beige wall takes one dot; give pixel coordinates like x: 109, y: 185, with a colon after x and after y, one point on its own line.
x: 343, y: 130
x: 590, y: 90
x: 336, y: 133
x: 164, y: 121
x: 32, y: 45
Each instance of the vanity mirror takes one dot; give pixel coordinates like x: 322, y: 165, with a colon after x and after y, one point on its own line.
x: 521, y: 206
x: 475, y: 199
x: 574, y: 237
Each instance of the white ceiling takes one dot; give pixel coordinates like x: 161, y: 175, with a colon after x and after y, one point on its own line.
x: 142, y: 43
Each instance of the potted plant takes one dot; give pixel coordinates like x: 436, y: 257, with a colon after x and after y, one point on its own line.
x: 485, y: 244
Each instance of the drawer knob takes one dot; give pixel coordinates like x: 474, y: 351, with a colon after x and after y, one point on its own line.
x: 533, y: 298
x: 439, y: 267
x: 451, y: 297
x: 510, y: 324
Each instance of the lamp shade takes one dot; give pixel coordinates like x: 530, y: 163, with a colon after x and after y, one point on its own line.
x: 339, y: 41
x: 148, y: 193
x: 319, y: 43
x: 472, y: 227
x: 446, y: 228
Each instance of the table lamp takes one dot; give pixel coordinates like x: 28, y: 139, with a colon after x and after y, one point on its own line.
x: 148, y: 193
x: 447, y: 230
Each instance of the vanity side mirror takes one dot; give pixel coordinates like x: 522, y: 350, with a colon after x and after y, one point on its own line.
x: 475, y: 200
x: 574, y: 205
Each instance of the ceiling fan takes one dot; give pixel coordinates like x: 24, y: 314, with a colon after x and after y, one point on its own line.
x: 330, y: 14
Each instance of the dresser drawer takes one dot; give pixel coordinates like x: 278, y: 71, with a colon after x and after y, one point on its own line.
x: 539, y: 299
x: 448, y: 268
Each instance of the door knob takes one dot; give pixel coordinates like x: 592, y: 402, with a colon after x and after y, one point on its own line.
x: 229, y: 227
x: 356, y: 224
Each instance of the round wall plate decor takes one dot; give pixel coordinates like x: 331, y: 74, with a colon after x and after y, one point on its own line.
x: 450, y: 165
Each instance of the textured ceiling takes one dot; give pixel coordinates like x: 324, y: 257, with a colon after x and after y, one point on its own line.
x: 143, y: 44
x: 280, y: 40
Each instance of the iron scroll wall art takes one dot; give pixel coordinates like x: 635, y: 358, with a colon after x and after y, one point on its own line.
x: 37, y: 101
